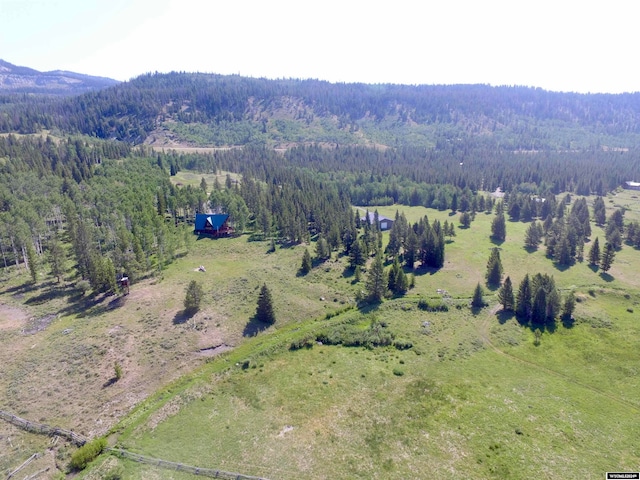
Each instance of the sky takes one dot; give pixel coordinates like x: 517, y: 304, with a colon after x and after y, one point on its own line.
x: 559, y: 45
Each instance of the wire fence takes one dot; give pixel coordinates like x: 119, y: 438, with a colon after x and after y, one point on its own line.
x: 80, y: 440
x: 34, y: 427
x: 180, y: 467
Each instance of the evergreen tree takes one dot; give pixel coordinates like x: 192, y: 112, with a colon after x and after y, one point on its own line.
x: 306, y: 261
x: 523, y: 299
x: 57, y: 259
x: 322, y: 249
x: 607, y: 257
x: 494, y: 268
x: 533, y: 236
x: 264, y: 310
x: 539, y: 307
x: 599, y: 211
x: 376, y: 285
x: 465, y: 219
x: 505, y: 295
x: 193, y: 297
x: 398, y: 282
x: 356, y: 255
x: 411, y: 249
x: 563, y: 251
x: 31, y: 260
x: 499, y: 228
x: 569, y: 306
x: 477, y: 301
x: 594, y: 252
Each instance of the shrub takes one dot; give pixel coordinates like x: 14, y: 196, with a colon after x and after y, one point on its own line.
x: 84, y: 286
x: 117, y: 370
x: 397, y: 372
x: 87, y: 453
x: 305, y: 342
x: 403, y: 344
x: 435, y: 306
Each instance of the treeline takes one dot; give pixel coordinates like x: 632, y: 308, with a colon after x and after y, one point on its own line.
x: 440, y: 180
x: 513, y: 118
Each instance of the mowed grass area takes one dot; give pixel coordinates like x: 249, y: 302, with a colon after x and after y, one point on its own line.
x: 474, y: 397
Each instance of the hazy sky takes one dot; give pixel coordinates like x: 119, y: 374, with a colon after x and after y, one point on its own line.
x: 557, y: 45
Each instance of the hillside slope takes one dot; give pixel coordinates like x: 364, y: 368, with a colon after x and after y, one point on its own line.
x: 223, y: 110
x: 16, y: 79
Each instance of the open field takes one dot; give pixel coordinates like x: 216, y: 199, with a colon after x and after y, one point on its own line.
x: 473, y: 397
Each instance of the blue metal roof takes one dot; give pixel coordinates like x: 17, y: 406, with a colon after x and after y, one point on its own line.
x: 216, y: 220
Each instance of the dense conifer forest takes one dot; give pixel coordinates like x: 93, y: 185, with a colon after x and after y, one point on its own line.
x: 450, y: 146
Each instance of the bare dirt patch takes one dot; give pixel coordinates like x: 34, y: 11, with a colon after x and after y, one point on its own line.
x: 12, y: 318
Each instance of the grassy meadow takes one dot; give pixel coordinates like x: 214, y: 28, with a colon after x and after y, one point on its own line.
x: 474, y: 396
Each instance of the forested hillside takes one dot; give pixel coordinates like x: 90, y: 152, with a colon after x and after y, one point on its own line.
x: 24, y: 80
x: 217, y: 110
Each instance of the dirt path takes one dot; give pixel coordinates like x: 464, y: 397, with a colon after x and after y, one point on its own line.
x: 483, y: 331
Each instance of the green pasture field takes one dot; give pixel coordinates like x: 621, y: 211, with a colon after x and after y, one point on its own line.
x: 474, y: 397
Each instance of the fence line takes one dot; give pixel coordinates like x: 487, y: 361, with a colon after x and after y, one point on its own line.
x: 79, y: 440
x: 180, y: 467
x: 43, y: 429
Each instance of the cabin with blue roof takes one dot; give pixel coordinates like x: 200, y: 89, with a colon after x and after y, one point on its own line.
x: 212, y: 224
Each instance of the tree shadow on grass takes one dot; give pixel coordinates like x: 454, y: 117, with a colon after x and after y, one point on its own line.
x: 254, y: 327
x: 51, y: 293
x: 182, y: 316
x: 561, y: 267
x: 504, y: 316
x: 606, y: 277
x: 496, y: 241
x: 109, y: 382
x: 531, y: 249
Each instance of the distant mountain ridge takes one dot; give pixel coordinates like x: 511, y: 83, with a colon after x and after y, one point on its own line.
x: 212, y: 110
x: 18, y: 79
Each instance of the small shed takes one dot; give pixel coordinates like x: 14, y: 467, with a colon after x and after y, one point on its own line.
x: 384, y: 223
x: 213, y: 224
x: 632, y: 185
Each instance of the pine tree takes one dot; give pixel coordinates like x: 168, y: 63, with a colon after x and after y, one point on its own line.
x: 31, y: 260
x: 539, y: 306
x: 322, y: 249
x: 505, y: 295
x: 477, y: 301
x: 594, y: 252
x: 499, y: 228
x: 264, y: 310
x: 356, y: 254
x: 494, y: 268
x: 569, y: 305
x: 523, y: 300
x: 398, y: 282
x: 193, y: 297
x: 465, y: 220
x: 532, y: 236
x: 306, y: 261
x: 599, y: 211
x: 56, y: 259
x: 376, y: 285
x: 607, y: 257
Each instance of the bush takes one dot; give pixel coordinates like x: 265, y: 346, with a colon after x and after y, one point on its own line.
x: 397, y: 372
x: 117, y: 370
x: 403, y: 344
x: 84, y: 286
x: 437, y: 306
x: 305, y: 342
x: 87, y: 453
